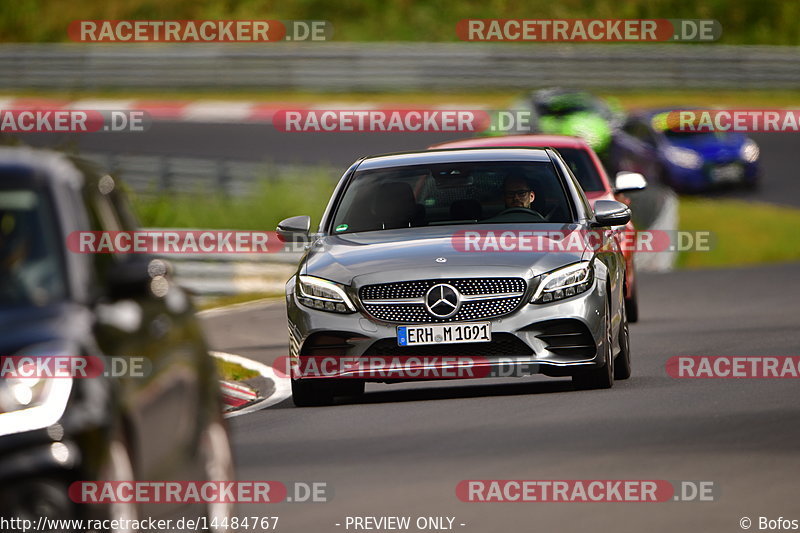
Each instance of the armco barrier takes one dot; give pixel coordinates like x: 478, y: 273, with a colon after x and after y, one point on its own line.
x: 396, y: 66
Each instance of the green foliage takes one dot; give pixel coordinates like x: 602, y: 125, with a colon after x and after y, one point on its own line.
x: 267, y: 204
x: 743, y: 21
x: 743, y: 233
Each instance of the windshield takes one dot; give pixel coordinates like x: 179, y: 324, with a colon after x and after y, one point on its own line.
x: 695, y: 136
x: 31, y: 270
x: 583, y: 168
x: 446, y: 194
x: 568, y: 104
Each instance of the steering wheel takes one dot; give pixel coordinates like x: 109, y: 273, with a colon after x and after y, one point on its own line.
x: 520, y: 210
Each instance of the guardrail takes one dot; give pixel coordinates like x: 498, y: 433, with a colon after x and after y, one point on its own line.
x: 220, y: 274
x: 152, y: 174
x: 396, y: 66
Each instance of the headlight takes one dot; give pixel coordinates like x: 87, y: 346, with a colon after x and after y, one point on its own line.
x: 683, y: 157
x: 32, y: 403
x: 323, y: 295
x: 565, y: 282
x: 749, y: 151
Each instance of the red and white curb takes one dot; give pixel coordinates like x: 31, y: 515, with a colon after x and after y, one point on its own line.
x: 235, y: 395
x: 283, y: 387
x: 209, y: 111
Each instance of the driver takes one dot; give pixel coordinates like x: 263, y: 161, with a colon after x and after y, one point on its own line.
x: 517, y: 192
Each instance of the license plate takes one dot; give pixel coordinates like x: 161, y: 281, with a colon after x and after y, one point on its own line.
x: 444, y: 333
x: 732, y: 172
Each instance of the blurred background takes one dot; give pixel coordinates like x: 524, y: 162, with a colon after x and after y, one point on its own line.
x: 212, y: 158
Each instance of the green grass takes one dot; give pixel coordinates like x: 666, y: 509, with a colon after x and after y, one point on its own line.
x: 743, y: 21
x: 262, y: 209
x: 743, y: 233
x: 231, y: 299
x: 233, y: 372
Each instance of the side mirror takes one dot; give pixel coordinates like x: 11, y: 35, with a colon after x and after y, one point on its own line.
x: 294, y: 228
x: 133, y: 278
x: 610, y: 213
x: 629, y: 181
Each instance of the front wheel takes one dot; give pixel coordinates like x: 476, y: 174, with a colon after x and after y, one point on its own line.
x: 632, y: 307
x: 622, y: 364
x: 601, y: 377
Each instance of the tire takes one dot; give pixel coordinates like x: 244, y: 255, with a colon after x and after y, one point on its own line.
x: 600, y: 377
x: 316, y: 393
x: 632, y: 307
x: 622, y: 363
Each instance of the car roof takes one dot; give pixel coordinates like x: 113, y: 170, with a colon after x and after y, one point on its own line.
x: 552, y: 141
x: 41, y: 166
x: 465, y: 155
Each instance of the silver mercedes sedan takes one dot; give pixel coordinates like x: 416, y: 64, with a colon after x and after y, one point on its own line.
x: 451, y: 264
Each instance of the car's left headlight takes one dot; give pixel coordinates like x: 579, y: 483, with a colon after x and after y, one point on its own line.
x: 683, y: 157
x: 749, y: 151
x: 564, y: 282
x: 323, y: 295
x: 30, y: 403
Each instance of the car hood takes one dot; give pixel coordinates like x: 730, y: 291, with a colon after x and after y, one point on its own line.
x: 427, y: 253
x: 711, y: 146
x: 27, y: 326
x: 591, y: 127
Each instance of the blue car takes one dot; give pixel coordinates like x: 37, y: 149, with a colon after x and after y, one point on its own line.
x: 686, y: 161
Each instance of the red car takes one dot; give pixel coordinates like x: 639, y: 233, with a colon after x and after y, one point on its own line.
x: 589, y: 171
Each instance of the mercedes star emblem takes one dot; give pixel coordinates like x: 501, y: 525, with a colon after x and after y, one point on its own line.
x: 442, y: 300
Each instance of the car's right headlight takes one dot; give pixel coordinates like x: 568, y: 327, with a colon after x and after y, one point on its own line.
x: 323, y: 295
x: 683, y: 157
x: 30, y: 403
x: 564, y: 282
x: 749, y: 151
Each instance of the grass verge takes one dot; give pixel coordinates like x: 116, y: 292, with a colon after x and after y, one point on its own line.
x: 743, y: 233
x: 269, y: 202
x: 233, y: 372
x: 232, y: 299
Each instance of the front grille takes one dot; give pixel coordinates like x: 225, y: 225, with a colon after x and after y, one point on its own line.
x: 417, y: 289
x: 503, y: 344
x: 568, y: 337
x: 500, y: 296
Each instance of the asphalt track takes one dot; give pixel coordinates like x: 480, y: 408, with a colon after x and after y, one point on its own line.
x: 262, y: 142
x: 404, y: 447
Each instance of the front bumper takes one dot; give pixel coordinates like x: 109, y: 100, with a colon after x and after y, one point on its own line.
x: 703, y: 179
x: 555, y: 339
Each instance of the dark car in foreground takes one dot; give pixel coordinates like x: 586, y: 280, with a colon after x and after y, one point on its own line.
x: 157, y: 420
x: 388, y: 276
x: 689, y: 162
x: 589, y: 170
